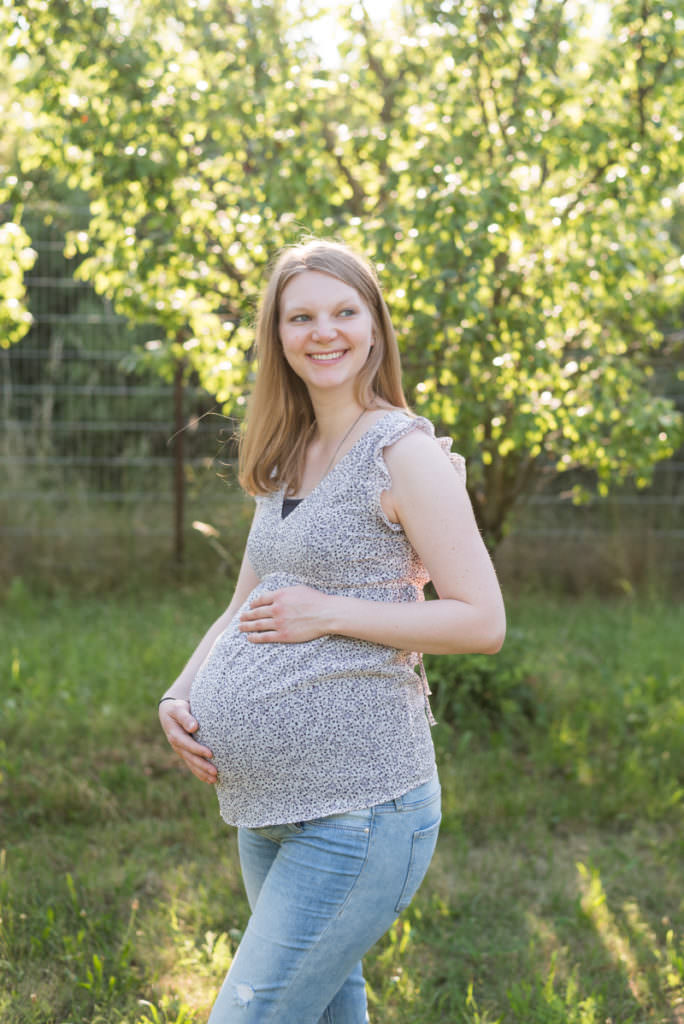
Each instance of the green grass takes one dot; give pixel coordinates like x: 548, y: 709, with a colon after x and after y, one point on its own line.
x: 557, y: 891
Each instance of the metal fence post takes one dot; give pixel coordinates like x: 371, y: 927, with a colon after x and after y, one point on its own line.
x: 178, y: 465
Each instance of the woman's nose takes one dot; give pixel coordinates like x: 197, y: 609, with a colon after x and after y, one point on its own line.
x: 323, y: 329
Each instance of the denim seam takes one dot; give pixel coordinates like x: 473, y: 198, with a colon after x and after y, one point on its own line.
x: 419, y: 806
x: 418, y: 835
x: 403, y: 808
x: 353, y: 829
x: 263, y: 831
x: 400, y: 804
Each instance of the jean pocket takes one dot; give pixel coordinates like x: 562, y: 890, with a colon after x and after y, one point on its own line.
x: 422, y: 848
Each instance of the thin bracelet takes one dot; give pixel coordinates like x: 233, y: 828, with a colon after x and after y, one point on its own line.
x: 185, y: 699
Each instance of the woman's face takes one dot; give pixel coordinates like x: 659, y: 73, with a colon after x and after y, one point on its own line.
x: 326, y: 330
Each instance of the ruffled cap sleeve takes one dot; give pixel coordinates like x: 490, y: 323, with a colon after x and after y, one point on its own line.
x: 457, y: 461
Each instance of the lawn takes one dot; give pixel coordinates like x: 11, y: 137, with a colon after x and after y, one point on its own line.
x: 557, y: 891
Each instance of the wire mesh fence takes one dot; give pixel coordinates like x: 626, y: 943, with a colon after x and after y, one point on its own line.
x: 89, y: 453
x: 88, y: 450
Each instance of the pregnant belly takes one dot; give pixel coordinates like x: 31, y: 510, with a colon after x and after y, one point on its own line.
x: 281, y: 698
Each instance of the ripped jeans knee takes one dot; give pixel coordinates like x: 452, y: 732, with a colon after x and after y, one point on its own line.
x: 244, y: 993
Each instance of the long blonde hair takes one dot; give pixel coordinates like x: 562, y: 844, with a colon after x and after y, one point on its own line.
x: 280, y: 414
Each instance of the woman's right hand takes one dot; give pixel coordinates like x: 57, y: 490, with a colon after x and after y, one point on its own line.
x: 178, y: 725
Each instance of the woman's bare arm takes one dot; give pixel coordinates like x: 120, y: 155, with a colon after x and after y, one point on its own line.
x: 429, y: 500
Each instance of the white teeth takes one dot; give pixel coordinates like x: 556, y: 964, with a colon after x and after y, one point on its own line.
x: 325, y: 357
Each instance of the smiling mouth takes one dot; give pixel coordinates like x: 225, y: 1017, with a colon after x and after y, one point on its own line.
x: 327, y: 357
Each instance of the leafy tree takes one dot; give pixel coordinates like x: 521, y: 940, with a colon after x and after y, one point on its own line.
x: 16, y: 256
x: 513, y: 168
x: 527, y: 192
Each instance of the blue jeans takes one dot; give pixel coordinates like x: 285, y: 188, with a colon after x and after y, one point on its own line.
x: 321, y: 893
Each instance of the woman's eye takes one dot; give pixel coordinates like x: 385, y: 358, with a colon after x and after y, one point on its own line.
x: 348, y: 312
x: 299, y: 318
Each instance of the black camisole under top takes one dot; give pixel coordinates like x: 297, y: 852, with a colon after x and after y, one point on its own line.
x: 289, y: 505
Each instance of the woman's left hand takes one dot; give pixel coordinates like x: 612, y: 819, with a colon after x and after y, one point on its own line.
x: 292, y: 615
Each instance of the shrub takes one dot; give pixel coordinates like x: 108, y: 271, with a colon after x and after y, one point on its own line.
x: 499, y: 688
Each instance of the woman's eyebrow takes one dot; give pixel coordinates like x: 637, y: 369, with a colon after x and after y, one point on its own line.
x: 302, y: 307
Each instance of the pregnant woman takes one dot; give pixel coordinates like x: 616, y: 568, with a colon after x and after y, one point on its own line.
x: 306, y: 703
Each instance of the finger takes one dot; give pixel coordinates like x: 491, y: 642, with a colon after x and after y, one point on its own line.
x: 179, y: 713
x: 184, y: 723
x: 263, y: 599
x: 185, y: 720
x: 201, y: 768
x: 187, y: 747
x: 183, y: 742
x: 258, y: 611
x: 255, y: 614
x: 201, y: 773
x: 256, y: 625
x: 250, y: 615
x: 260, y: 615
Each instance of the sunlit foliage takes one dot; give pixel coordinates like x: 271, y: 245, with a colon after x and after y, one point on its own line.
x: 513, y: 168
x: 16, y: 256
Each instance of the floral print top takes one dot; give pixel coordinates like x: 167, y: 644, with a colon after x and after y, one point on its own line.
x: 301, y: 731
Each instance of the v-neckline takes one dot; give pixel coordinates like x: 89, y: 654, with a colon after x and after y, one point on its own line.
x: 332, y: 469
